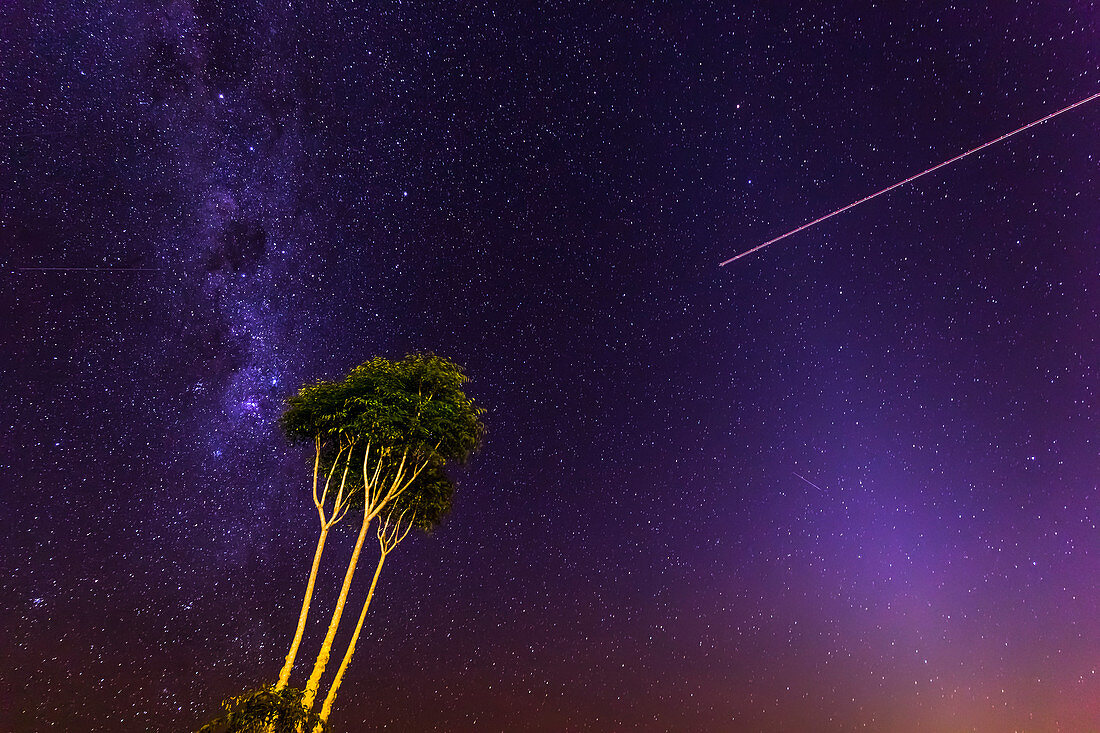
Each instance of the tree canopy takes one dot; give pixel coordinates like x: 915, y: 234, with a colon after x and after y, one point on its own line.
x: 415, y: 404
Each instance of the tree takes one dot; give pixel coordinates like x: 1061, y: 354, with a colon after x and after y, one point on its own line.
x: 319, y: 409
x: 423, y: 506
x: 267, y: 709
x: 396, y: 418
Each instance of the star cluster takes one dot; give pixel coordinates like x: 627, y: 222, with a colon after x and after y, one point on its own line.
x: 849, y: 483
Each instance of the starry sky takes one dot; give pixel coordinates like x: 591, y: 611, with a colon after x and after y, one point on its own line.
x: 848, y: 483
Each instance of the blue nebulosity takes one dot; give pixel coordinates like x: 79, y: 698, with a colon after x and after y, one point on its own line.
x: 848, y: 483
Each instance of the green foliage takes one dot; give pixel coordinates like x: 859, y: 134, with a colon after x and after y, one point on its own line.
x: 415, y: 405
x: 427, y: 501
x: 265, y: 710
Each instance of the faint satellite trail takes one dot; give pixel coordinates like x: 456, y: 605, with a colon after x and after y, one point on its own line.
x: 914, y: 177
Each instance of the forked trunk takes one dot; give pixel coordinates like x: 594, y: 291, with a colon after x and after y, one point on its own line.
x: 370, y: 511
x: 288, y: 665
x: 331, y: 696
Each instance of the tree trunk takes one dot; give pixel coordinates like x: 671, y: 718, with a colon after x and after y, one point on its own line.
x: 288, y: 665
x: 314, y: 683
x: 331, y: 697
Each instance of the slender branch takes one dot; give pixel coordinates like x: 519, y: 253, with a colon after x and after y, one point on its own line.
x: 316, y: 467
x: 343, y: 512
x: 328, y: 479
x: 408, y: 528
x: 366, y: 457
x: 377, y: 495
x: 371, y: 496
x: 343, y: 483
x: 392, y: 531
x: 397, y: 475
x: 415, y: 474
x: 396, y: 490
x: 347, y: 464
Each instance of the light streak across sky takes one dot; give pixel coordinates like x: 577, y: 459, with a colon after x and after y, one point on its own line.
x: 914, y: 177
x: 811, y: 483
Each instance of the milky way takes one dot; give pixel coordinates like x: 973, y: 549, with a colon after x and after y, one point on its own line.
x: 848, y: 486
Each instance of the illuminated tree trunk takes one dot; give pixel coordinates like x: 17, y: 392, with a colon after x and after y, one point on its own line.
x: 375, y: 503
x: 314, y: 683
x: 339, y: 509
x: 288, y: 665
x: 331, y: 696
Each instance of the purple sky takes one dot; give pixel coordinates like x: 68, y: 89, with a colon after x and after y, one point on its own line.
x: 848, y: 483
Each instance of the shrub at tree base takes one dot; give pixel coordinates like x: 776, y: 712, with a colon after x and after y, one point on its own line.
x: 266, y: 711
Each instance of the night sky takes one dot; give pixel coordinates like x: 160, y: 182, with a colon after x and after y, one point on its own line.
x: 848, y: 483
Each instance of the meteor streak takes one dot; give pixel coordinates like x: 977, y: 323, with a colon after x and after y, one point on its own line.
x: 811, y: 483
x: 936, y: 167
